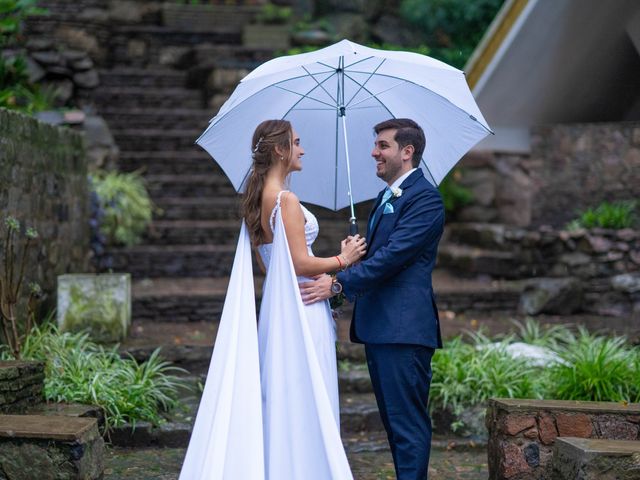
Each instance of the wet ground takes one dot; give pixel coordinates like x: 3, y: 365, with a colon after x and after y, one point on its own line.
x: 164, y: 463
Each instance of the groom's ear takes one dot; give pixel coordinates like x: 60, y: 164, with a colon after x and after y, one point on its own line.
x: 407, y: 152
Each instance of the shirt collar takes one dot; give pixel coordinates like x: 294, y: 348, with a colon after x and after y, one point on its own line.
x: 399, y: 181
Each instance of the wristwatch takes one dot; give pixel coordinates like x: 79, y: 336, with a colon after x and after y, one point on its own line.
x: 336, y: 286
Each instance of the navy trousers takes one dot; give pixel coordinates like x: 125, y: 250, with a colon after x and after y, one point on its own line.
x: 401, y: 376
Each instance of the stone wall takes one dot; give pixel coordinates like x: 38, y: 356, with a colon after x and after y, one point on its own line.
x: 571, y: 167
x: 43, y: 183
x: 582, y: 165
x: 595, y: 271
x: 522, y: 433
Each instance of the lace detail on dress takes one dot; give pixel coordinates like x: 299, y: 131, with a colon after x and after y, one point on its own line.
x: 311, y: 230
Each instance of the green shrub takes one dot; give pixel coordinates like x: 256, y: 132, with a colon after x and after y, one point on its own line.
x: 271, y: 14
x: 126, y: 205
x: 598, y: 369
x: 77, y: 370
x: 591, y: 367
x: 12, y: 14
x: 453, y: 27
x: 614, y: 215
x: 454, y: 195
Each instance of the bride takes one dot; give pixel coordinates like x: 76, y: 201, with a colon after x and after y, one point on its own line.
x: 280, y: 422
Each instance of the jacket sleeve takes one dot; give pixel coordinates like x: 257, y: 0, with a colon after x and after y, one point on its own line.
x: 420, y: 224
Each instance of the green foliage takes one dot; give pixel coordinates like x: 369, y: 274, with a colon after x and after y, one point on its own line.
x: 271, y: 14
x: 469, y: 371
x: 77, y: 370
x: 100, y: 314
x: 453, y: 27
x: 468, y: 374
x: 615, y: 215
x: 126, y: 203
x: 597, y: 369
x: 454, y: 195
x: 12, y: 14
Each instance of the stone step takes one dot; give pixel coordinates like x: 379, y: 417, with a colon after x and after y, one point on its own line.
x: 157, y: 139
x: 149, y: 97
x: 183, y: 185
x: 143, y: 261
x: 201, y: 299
x: 199, y: 208
x: 168, y: 162
x: 359, y: 413
x: 199, y: 232
x: 472, y: 261
x: 125, y: 118
x: 595, y: 459
x: 354, y: 379
x: 482, y: 235
x: 142, y: 77
x: 40, y: 446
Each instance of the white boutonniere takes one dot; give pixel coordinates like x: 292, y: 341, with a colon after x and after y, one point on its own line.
x: 396, y: 192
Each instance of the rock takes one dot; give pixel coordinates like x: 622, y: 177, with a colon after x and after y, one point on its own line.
x: 627, y: 282
x: 48, y: 58
x: 574, y: 425
x: 52, y: 117
x: 311, y: 37
x: 515, y: 424
x: 79, y: 39
x: 174, y: 56
x: 547, y: 429
x: 136, y: 48
x: 560, y: 296
x: 39, y: 43
x: 36, y: 72
x: 82, y: 64
x: 125, y: 11
x: 94, y: 15
x: 532, y: 455
x: 88, y: 79
x: 101, y: 147
x: 71, y: 55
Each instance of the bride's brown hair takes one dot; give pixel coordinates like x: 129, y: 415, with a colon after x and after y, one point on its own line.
x: 267, y: 136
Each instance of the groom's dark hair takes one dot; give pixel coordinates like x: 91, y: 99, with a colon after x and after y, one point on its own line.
x: 408, y: 132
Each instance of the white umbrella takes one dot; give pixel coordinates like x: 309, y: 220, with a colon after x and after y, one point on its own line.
x: 334, y: 97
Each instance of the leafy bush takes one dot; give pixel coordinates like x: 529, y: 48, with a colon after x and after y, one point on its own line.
x: 469, y: 371
x: 12, y: 14
x: 597, y: 369
x: 454, y: 195
x: 77, y: 370
x: 271, y: 14
x: 453, y: 27
x: 126, y: 204
x: 615, y: 215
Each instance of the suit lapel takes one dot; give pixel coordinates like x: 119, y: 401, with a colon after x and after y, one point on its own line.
x: 375, y: 206
x: 410, y: 180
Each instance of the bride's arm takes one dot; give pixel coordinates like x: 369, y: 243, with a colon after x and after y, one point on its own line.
x: 303, y: 263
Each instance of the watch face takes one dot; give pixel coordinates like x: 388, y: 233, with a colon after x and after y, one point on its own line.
x: 336, y: 287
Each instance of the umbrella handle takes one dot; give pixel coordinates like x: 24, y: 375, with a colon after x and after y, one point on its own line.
x: 353, y: 227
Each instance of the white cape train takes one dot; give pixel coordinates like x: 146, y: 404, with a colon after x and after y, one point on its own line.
x: 265, y: 412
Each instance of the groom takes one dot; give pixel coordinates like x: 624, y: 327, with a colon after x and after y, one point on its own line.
x: 395, y: 313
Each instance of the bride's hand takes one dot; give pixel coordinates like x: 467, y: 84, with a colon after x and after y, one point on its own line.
x: 353, y: 249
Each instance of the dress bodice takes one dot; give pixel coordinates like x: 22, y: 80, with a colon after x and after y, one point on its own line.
x: 311, y: 229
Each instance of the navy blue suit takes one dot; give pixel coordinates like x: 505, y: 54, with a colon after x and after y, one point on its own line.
x: 395, y: 316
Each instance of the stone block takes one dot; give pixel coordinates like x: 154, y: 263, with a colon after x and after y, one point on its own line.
x: 33, y: 446
x: 21, y: 385
x: 590, y: 459
x: 551, y: 295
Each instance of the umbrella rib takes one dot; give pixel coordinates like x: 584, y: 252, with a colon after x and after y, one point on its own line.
x: 320, y: 84
x: 364, y: 83
x: 435, y: 93
x: 305, y: 95
x: 276, y: 84
x: 373, y: 95
x: 360, y: 61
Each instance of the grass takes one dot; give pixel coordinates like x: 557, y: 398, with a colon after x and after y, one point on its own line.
x: 616, y: 215
x: 473, y: 368
x: 77, y: 370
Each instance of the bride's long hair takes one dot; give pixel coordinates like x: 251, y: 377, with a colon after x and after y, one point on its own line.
x: 267, y: 136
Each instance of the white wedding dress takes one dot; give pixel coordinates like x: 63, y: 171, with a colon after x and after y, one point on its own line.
x: 269, y: 409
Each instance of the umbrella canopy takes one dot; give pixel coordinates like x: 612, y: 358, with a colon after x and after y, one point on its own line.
x: 333, y: 97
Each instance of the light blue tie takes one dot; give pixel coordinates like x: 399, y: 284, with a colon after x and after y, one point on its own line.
x: 386, y: 196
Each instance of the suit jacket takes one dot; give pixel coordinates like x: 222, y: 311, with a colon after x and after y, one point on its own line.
x: 391, y: 287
